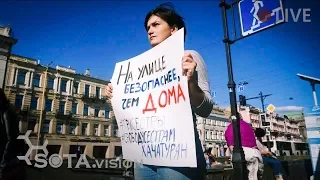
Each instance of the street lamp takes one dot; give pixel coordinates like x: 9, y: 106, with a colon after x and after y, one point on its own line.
x: 238, y: 158
x: 42, y: 104
x: 313, y: 81
x: 243, y: 83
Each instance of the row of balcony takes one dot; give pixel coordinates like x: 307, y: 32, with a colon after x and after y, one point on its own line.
x: 284, y: 131
x: 92, y: 98
x: 283, y: 138
x: 89, y: 98
x: 58, y: 115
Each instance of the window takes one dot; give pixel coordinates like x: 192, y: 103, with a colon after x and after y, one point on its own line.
x: 97, y: 92
x: 106, y: 114
x: 72, y: 128
x: 75, y: 87
x: 31, y: 124
x: 18, y: 102
x: 50, y: 83
x: 14, y: 77
x: 86, y: 90
x: 74, y: 108
x: 62, y: 105
x: 84, y: 129
x: 85, y: 110
x: 209, y: 135
x: 63, y: 87
x: 36, y: 80
x: 96, y: 128
x: 59, y: 127
x: 21, y: 77
x: 214, y: 135
x: 222, y: 136
x: 96, y: 111
x: 48, y: 104
x: 46, y: 125
x: 34, y: 103
x: 106, y: 130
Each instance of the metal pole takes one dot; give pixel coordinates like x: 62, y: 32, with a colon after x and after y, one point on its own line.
x: 42, y: 105
x: 262, y: 101
x: 268, y: 138
x: 238, y: 159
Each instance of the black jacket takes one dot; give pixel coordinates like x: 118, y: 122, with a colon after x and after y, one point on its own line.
x: 9, y: 131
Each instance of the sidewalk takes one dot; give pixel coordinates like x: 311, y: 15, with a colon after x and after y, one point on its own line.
x: 296, y: 169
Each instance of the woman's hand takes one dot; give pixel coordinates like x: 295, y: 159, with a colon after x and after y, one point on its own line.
x: 188, y: 66
x: 109, y: 91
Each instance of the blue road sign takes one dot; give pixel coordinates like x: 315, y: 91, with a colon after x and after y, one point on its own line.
x: 241, y: 88
x: 256, y: 15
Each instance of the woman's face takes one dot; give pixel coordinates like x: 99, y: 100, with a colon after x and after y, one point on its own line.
x: 158, y: 30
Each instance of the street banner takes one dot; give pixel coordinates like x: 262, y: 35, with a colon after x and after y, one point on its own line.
x: 152, y: 106
x: 312, y: 118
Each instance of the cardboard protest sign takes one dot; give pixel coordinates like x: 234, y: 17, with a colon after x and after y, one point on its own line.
x: 152, y: 106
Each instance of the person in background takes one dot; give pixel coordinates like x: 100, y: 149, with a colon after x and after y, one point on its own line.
x: 267, y: 156
x: 206, y: 157
x: 214, y: 163
x: 222, y: 153
x: 10, y: 166
x: 249, y: 145
x: 160, y: 23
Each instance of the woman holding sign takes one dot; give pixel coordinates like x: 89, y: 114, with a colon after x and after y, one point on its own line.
x: 160, y: 24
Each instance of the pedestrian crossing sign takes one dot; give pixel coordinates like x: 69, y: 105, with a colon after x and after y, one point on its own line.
x: 257, y: 15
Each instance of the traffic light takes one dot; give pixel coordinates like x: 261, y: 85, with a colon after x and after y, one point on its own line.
x: 263, y: 119
x: 242, y: 100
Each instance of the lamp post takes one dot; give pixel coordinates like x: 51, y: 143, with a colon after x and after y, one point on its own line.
x: 238, y: 159
x: 243, y: 83
x: 42, y: 104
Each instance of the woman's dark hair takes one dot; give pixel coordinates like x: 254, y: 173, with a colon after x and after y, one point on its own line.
x: 208, y: 151
x: 259, y: 132
x: 211, y: 158
x: 3, y: 99
x: 167, y: 12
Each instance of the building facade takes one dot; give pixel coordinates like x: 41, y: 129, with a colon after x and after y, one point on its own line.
x: 72, y: 108
x: 286, y: 134
x: 6, y: 43
x: 211, y: 131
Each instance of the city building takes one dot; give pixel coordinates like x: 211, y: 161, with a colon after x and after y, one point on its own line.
x: 6, y: 43
x: 72, y: 108
x: 286, y: 134
x: 211, y: 131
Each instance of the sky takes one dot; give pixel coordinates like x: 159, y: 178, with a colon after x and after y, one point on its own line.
x: 97, y: 34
